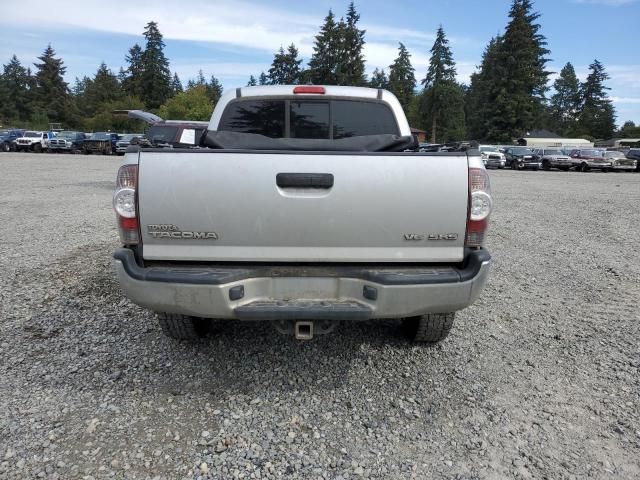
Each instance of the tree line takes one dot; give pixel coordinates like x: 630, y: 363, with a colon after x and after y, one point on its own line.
x: 507, y: 95
x: 37, y: 98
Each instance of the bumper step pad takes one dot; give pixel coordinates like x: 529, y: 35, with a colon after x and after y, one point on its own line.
x: 303, y: 310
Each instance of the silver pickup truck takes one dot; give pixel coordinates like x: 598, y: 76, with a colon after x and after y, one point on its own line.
x: 304, y: 206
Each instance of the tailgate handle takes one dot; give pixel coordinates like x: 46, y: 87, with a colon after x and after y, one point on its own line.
x: 304, y: 180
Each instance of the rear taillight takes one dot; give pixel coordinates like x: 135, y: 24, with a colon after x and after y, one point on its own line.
x: 480, y: 204
x: 124, y: 204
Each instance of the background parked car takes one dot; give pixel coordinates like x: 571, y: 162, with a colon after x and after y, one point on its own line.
x: 8, y: 139
x: 67, y: 141
x: 589, y: 159
x: 619, y: 162
x: 634, y: 153
x: 520, y: 158
x: 492, y: 157
x: 125, y: 141
x: 33, y: 141
x: 553, y: 158
x: 100, y: 142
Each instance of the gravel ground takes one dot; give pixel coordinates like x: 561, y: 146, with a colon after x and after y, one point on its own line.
x: 539, y: 379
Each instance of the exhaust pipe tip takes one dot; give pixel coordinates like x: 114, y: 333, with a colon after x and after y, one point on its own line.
x: 304, y: 330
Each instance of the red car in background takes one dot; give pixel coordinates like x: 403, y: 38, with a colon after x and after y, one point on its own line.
x: 589, y: 159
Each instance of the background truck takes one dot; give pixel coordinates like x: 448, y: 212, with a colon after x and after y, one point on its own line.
x: 8, y: 139
x: 553, y: 158
x: 305, y: 206
x: 67, y: 141
x: 167, y: 133
x: 100, y: 142
x: 33, y: 141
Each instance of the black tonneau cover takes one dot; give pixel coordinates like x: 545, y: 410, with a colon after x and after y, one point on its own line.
x: 253, y: 141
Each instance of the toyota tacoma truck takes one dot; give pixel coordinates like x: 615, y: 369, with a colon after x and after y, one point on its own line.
x: 305, y: 206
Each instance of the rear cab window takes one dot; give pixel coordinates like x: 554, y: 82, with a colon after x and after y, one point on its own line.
x: 309, y: 118
x: 264, y: 117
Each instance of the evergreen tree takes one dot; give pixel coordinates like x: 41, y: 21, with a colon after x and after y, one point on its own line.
x: 122, y: 77
x: 442, y: 99
x: 566, y: 101
x: 285, y: 68
x: 51, y: 96
x: 482, y: 90
x: 201, y: 80
x: 629, y: 130
x: 7, y: 108
x: 379, y: 79
x: 80, y: 85
x: 507, y: 95
x: 155, y: 80
x: 325, y: 61
x: 402, y: 79
x: 293, y: 64
x: 352, y: 70
x: 252, y: 81
x: 15, y: 83
x: 263, y: 79
x: 519, y: 93
x: 442, y: 68
x: 597, y: 117
x: 78, y: 91
x: 176, y: 85
x: 104, y: 119
x: 132, y: 78
x: 214, y: 90
x: 104, y: 88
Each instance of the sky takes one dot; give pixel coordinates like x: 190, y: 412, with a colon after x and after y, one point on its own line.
x: 234, y: 39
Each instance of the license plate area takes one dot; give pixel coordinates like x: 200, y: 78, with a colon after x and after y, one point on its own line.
x: 308, y: 288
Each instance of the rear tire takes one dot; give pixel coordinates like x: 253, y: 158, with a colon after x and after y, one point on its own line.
x: 183, y: 327
x: 546, y: 165
x: 430, y: 328
x: 584, y: 167
x: 5, y: 147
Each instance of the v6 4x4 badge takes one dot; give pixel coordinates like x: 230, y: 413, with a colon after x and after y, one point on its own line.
x: 418, y: 237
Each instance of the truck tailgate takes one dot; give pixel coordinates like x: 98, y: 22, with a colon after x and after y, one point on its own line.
x: 228, y: 206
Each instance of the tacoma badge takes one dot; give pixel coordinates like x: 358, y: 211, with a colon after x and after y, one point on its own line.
x: 171, y: 231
